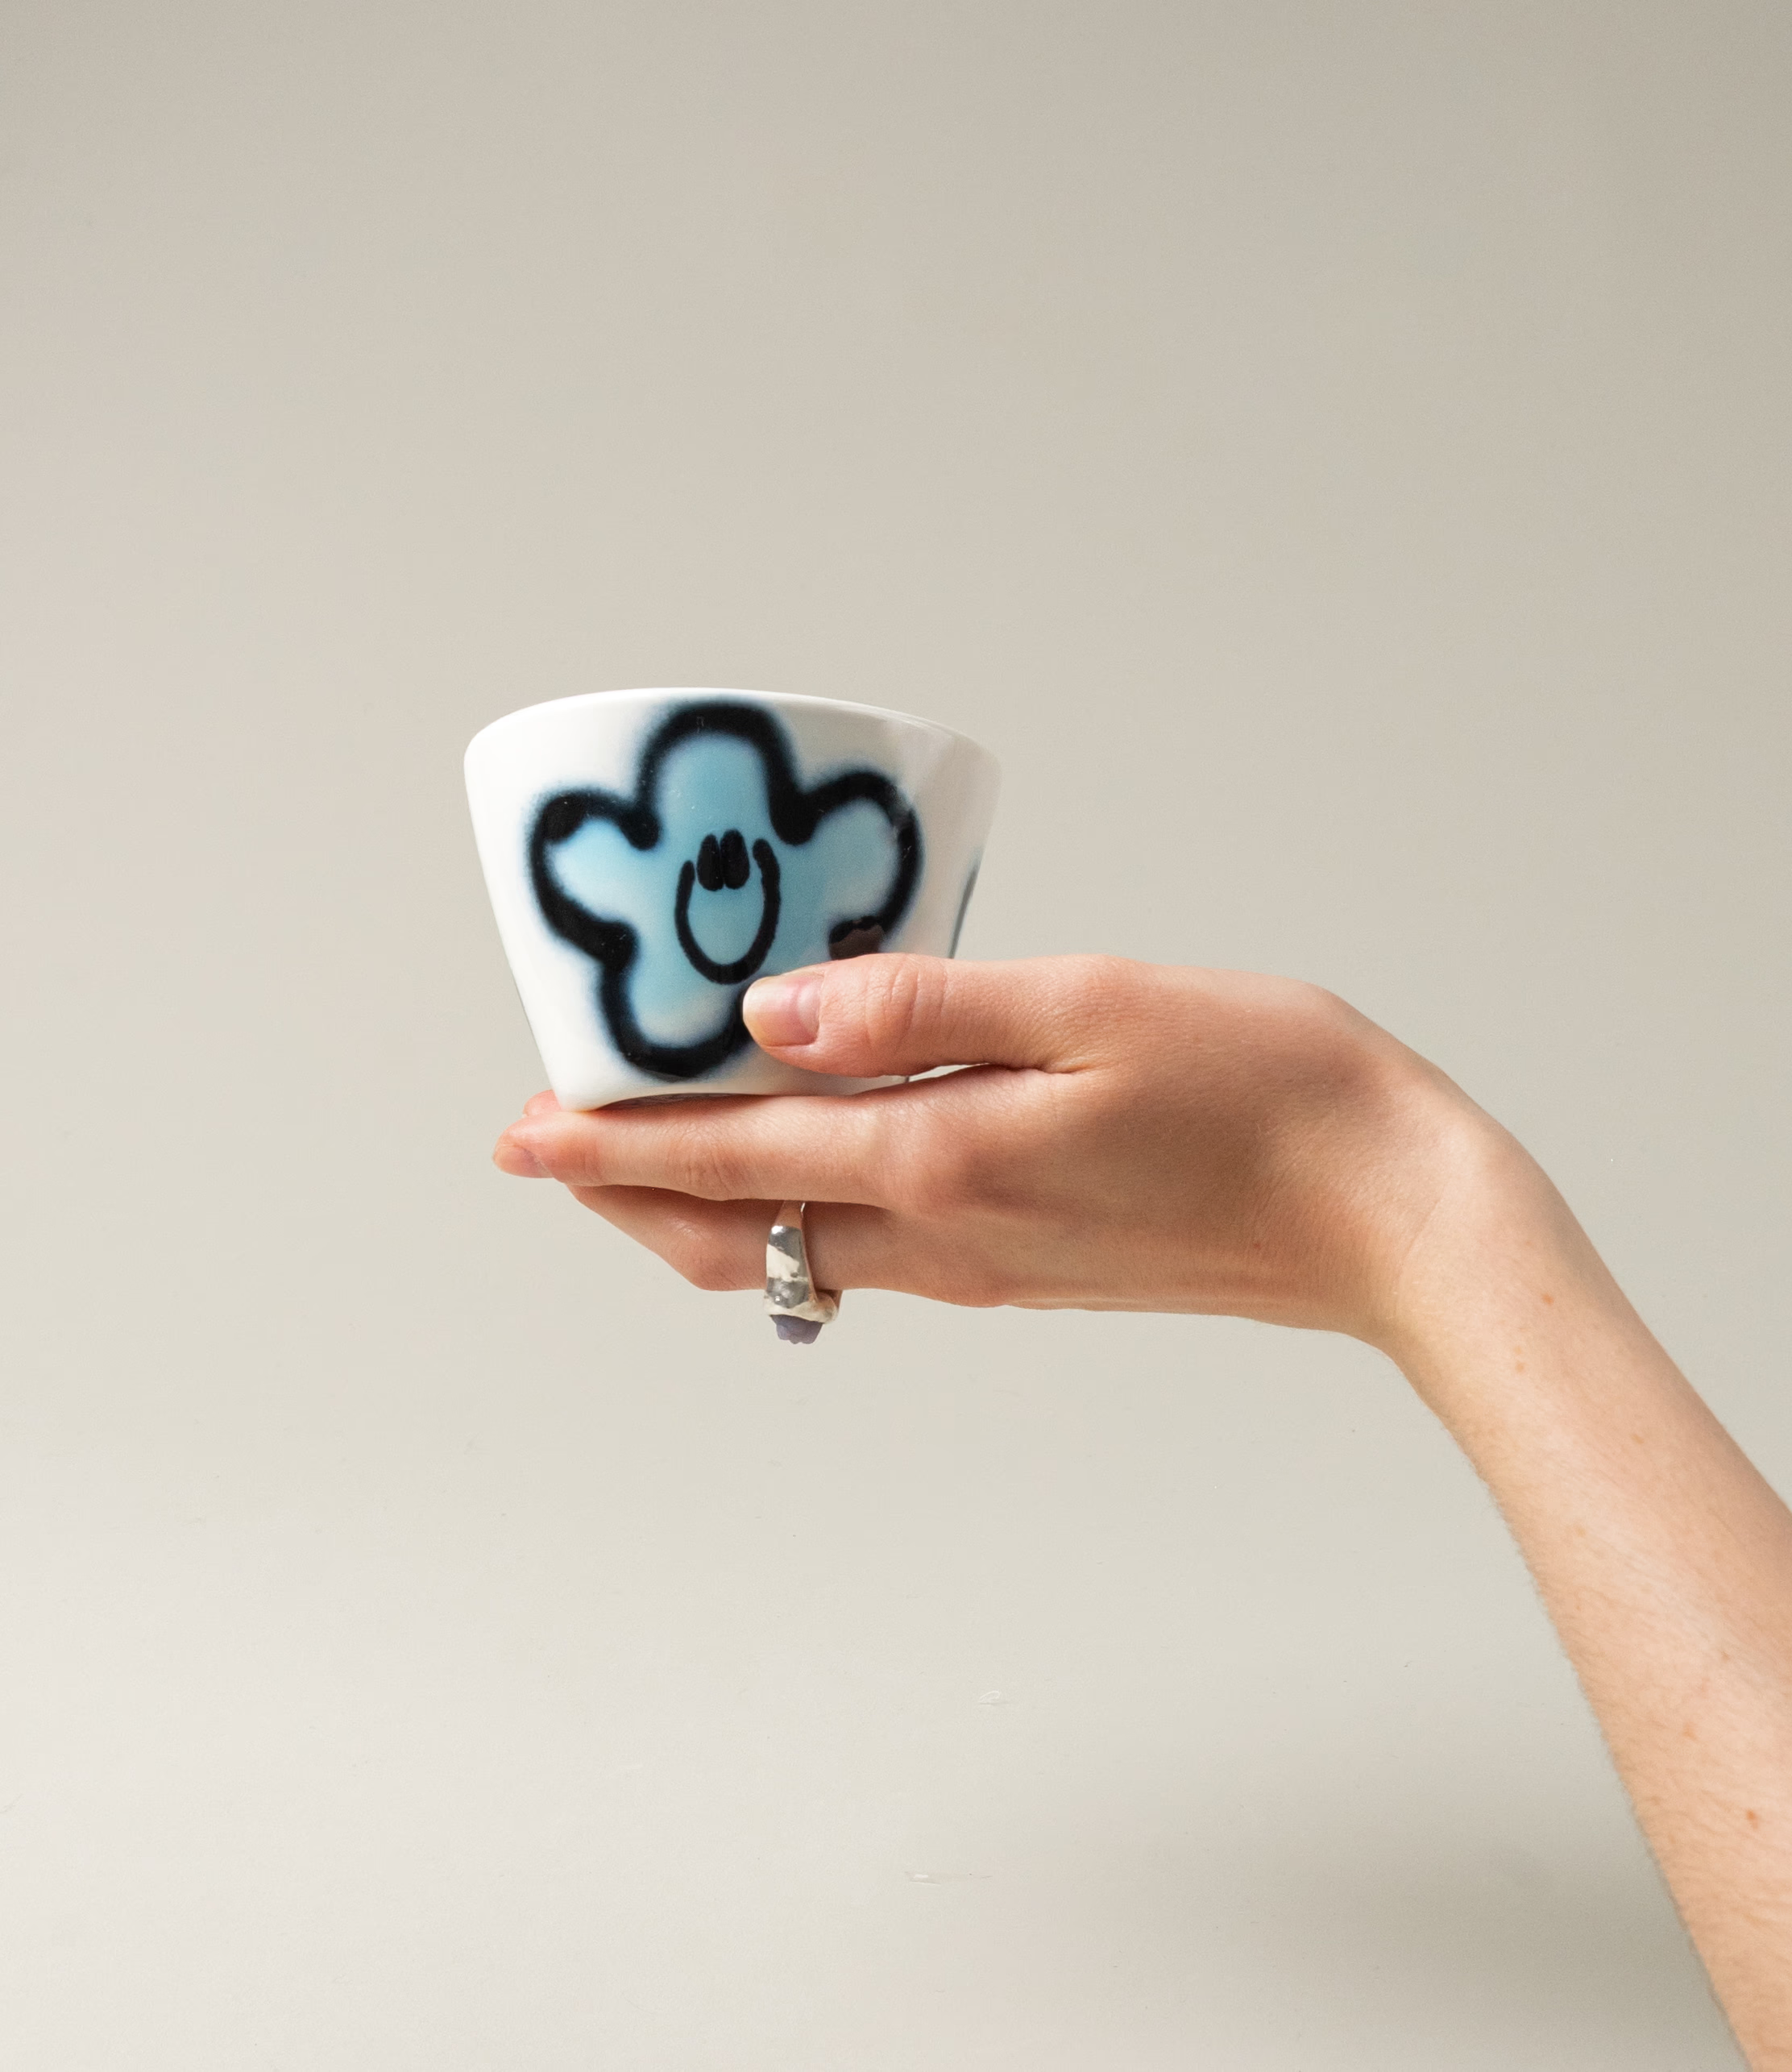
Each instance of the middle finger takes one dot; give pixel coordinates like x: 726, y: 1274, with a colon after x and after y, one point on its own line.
x: 835, y: 1148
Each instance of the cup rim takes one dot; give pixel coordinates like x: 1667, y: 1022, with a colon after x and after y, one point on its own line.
x: 645, y: 693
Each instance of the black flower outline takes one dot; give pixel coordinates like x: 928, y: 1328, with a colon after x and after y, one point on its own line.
x: 796, y: 813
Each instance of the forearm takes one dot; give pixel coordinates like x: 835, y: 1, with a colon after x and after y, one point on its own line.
x: 1144, y: 1138
x: 1664, y: 1557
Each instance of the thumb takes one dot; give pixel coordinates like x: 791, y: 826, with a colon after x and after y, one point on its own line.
x: 867, y: 1017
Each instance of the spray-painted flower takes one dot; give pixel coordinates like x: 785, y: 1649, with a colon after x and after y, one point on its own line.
x: 721, y: 865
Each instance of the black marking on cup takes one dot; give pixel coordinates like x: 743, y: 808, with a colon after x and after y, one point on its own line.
x: 963, y: 905
x: 742, y: 967
x: 860, y: 938
x: 722, y: 865
x: 796, y: 812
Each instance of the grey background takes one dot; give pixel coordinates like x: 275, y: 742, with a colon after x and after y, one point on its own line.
x: 1337, y: 457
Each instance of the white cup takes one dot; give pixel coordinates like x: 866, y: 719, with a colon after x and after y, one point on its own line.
x: 649, y: 853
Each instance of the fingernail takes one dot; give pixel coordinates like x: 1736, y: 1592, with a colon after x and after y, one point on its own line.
x: 785, y: 1012
x: 518, y: 1160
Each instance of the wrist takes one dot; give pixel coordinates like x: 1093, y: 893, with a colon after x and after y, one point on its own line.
x: 1496, y: 1264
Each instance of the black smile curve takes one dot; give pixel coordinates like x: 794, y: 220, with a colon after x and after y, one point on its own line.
x: 795, y: 814
x: 742, y: 967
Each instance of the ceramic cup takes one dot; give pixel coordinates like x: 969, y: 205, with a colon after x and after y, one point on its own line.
x: 649, y: 853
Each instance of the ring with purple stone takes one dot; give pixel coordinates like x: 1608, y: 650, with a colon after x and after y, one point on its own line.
x: 793, y: 1302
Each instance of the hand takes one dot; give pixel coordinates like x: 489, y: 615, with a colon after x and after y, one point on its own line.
x: 1126, y: 1136
x: 1130, y: 1137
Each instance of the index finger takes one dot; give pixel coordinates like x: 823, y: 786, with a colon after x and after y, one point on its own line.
x: 784, y: 1147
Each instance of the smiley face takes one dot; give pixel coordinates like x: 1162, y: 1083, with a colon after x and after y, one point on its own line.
x: 721, y: 866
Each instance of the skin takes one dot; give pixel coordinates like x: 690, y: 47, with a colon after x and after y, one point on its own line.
x: 1130, y: 1137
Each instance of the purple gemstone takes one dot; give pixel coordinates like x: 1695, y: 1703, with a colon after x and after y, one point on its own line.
x: 797, y: 1330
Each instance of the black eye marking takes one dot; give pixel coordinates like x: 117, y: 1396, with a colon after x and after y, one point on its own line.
x: 722, y: 864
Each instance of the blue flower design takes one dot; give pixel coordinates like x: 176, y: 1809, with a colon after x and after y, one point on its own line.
x: 681, y: 894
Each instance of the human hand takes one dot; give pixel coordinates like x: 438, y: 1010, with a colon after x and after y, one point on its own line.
x: 1127, y: 1136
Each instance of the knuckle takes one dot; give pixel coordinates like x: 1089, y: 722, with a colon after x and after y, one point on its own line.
x: 713, y: 1271
x: 953, y: 1174
x: 893, y: 998
x: 571, y: 1150
x: 1090, y: 993
x: 1094, y: 972
x: 972, y: 1284
x: 1097, y: 971
x: 706, y: 1261
x: 704, y: 1163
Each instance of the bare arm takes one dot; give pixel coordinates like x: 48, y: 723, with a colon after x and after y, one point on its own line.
x: 1665, y: 1558
x: 1134, y: 1137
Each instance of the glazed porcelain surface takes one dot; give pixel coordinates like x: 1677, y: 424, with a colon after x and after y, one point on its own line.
x: 649, y: 853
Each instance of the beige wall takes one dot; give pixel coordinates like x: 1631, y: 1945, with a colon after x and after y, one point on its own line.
x: 1338, y: 456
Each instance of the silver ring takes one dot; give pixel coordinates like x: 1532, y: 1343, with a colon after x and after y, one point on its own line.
x: 793, y: 1302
